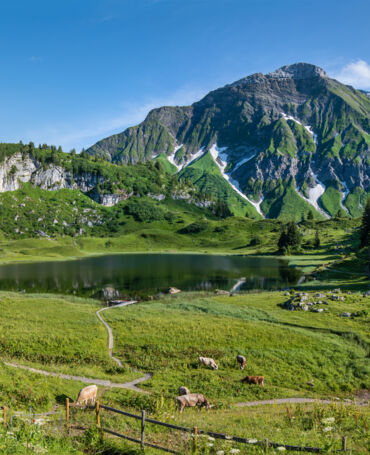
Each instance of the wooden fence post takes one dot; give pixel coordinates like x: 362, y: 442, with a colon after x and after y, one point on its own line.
x: 67, y: 414
x: 5, y: 412
x: 97, y: 411
x: 344, y: 443
x: 267, y: 445
x: 142, y: 430
x: 195, y: 439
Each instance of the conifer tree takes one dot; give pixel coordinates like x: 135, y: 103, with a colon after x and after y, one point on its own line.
x: 365, y: 227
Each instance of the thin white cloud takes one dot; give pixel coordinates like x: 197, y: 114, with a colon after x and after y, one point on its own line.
x: 356, y: 74
x: 92, y: 130
x: 35, y: 59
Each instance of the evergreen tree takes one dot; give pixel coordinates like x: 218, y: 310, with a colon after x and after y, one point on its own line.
x: 365, y: 227
x: 317, y: 241
x: 221, y: 209
x: 310, y: 215
x: 290, y: 237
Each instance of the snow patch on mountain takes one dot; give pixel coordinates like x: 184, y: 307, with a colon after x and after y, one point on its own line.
x: 243, y: 161
x: 344, y: 196
x: 307, y: 127
x: 171, y: 158
x: 220, y: 159
x: 314, y: 194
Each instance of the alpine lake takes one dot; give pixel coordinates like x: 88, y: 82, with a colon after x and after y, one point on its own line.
x: 120, y: 276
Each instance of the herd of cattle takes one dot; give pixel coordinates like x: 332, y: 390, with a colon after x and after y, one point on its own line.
x: 186, y: 398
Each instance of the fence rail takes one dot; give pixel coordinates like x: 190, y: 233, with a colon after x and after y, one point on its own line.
x: 195, y: 431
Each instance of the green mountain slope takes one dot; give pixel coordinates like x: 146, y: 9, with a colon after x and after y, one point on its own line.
x: 294, y: 122
x: 206, y: 176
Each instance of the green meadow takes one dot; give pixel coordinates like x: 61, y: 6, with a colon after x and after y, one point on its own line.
x: 292, y: 350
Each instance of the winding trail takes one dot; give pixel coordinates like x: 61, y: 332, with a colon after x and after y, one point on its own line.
x: 301, y: 400
x: 109, y: 328
x: 131, y: 385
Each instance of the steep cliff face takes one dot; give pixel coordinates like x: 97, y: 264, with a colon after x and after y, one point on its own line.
x: 18, y: 169
x: 295, y: 126
x: 105, y: 183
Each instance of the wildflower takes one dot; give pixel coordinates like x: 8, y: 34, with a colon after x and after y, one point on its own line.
x: 328, y: 420
x: 281, y: 448
x: 210, y: 438
x: 209, y: 444
x: 220, y: 452
x: 326, y: 429
x: 234, y: 451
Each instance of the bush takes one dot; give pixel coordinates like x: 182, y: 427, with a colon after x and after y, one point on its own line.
x: 194, y: 228
x: 143, y: 210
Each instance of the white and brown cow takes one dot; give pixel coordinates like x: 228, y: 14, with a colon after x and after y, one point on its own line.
x: 191, y: 400
x: 208, y: 362
x: 242, y: 361
x: 87, y: 395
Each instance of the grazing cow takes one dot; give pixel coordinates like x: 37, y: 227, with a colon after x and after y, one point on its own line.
x: 242, y: 361
x: 183, y: 390
x: 87, y: 394
x: 254, y: 380
x: 208, y: 362
x: 191, y: 400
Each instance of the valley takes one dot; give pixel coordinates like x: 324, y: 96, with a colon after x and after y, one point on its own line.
x: 252, y: 202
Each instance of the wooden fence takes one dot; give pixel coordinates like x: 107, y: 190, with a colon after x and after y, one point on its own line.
x: 266, y: 444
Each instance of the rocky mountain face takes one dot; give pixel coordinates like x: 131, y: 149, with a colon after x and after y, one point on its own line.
x: 291, y: 135
x: 108, y: 184
x: 19, y: 169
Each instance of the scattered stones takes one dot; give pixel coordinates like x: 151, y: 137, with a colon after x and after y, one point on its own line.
x: 221, y: 292
x: 173, y: 290
x: 367, y: 294
x: 319, y: 295
x: 345, y: 315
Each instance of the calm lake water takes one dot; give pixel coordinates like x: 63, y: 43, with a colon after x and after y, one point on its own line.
x: 119, y: 276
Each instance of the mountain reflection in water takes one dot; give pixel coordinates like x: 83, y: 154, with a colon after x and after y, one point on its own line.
x: 117, y: 276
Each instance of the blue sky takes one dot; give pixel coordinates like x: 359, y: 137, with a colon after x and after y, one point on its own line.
x: 75, y: 71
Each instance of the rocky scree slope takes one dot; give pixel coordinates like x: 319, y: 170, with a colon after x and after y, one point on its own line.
x: 291, y: 139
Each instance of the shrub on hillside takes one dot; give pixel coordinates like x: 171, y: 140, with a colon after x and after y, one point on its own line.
x: 194, y: 228
x: 143, y: 210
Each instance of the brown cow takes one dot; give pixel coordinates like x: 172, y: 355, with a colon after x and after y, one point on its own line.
x: 87, y: 394
x: 242, y: 361
x: 191, y: 400
x: 254, y: 380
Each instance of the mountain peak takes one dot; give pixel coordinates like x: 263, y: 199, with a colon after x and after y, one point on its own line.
x: 298, y: 71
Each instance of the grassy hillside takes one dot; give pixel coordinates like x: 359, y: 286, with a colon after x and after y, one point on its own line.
x: 206, y: 176
x: 276, y: 343
x: 286, y: 204
x: 185, y: 230
x: 290, y: 349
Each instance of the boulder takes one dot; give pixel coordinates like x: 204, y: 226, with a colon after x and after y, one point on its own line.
x: 173, y: 291
x: 221, y: 292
